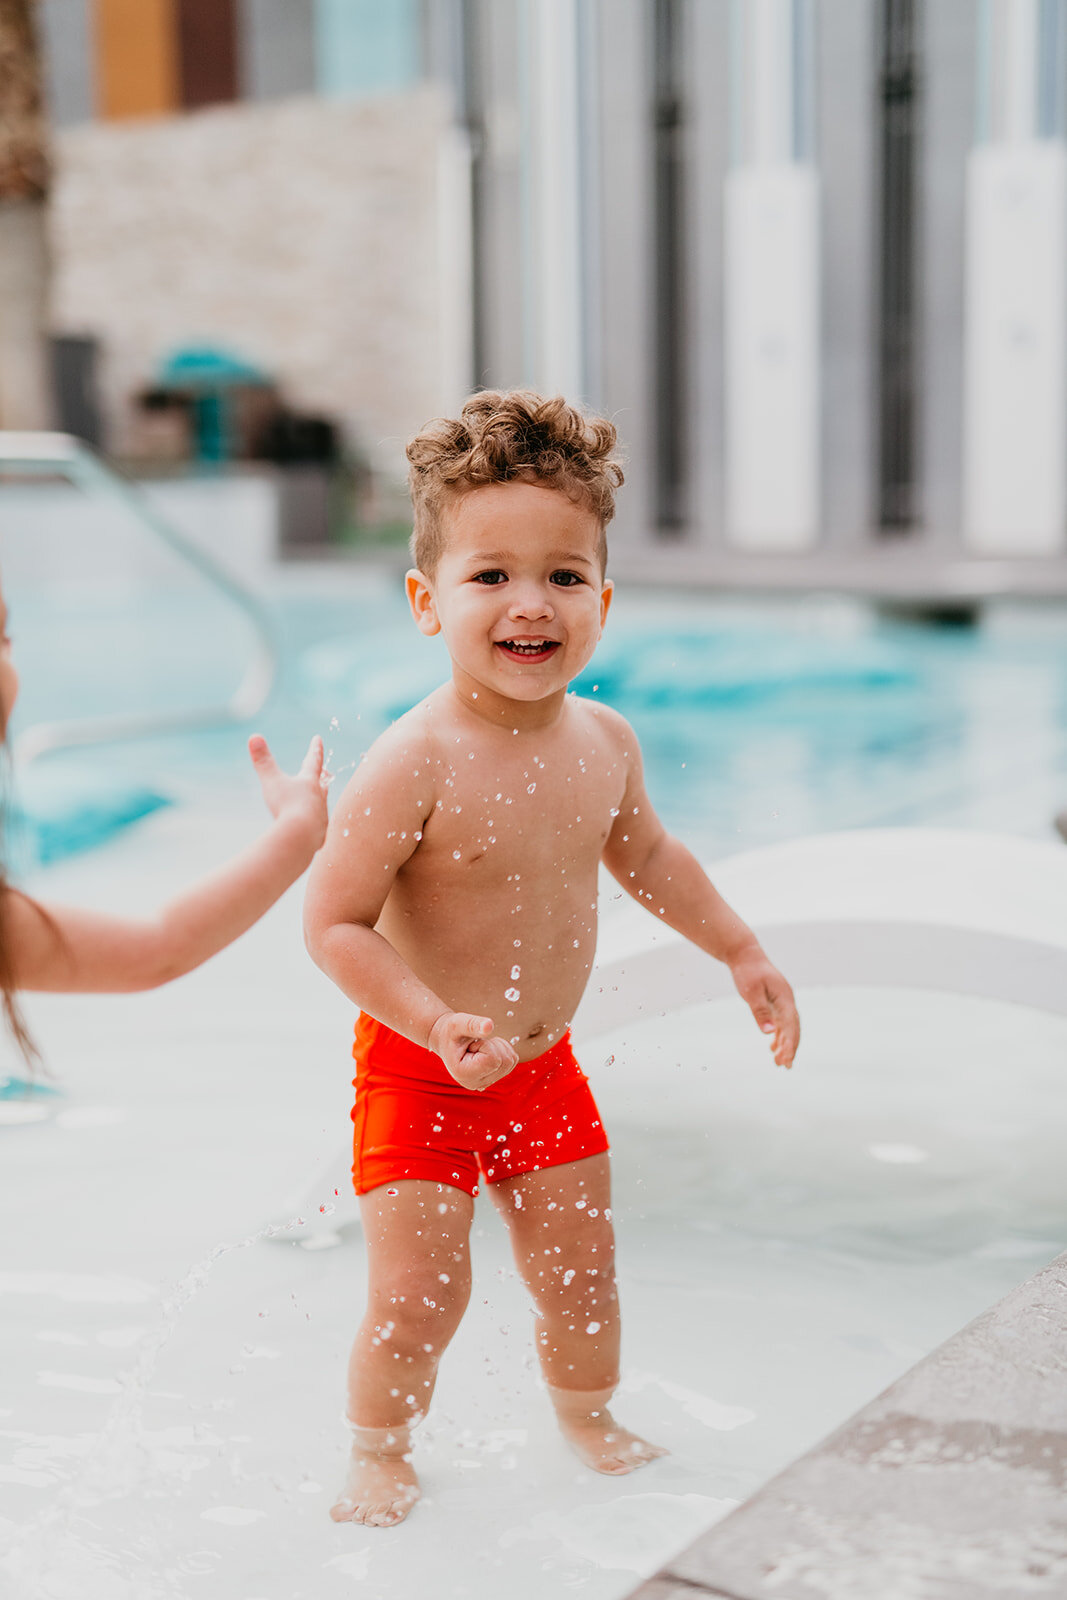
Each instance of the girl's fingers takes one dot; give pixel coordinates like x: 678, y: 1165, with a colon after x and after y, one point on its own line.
x: 311, y: 766
x: 259, y: 750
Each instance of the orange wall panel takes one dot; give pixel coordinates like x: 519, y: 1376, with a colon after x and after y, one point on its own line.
x: 136, y: 57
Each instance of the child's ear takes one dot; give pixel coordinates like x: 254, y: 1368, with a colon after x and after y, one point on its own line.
x: 606, y: 594
x: 421, y: 601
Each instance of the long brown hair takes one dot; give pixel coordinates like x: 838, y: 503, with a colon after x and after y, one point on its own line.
x: 12, y: 1012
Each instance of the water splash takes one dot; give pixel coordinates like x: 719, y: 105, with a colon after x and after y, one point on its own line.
x: 42, y: 1556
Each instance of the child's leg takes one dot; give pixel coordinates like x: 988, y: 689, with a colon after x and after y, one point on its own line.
x: 418, y: 1286
x: 564, y: 1244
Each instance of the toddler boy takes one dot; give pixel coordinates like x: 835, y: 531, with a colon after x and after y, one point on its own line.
x: 455, y: 900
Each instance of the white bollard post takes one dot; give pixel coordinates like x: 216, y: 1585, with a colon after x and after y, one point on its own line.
x: 771, y: 292
x: 1015, y: 352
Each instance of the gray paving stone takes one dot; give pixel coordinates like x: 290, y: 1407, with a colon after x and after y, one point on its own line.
x: 952, y: 1485
x: 673, y: 1589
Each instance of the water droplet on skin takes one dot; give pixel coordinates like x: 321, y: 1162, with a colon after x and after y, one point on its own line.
x: 593, y: 1327
x: 568, y: 1277
x: 531, y: 788
x: 456, y: 854
x: 511, y: 994
x: 345, y: 832
x: 576, y: 944
x: 517, y: 943
x: 515, y: 971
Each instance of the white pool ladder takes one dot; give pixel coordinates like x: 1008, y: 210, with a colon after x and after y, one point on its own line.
x: 30, y: 455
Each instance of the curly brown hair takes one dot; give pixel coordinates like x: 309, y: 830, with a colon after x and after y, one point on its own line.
x: 510, y: 436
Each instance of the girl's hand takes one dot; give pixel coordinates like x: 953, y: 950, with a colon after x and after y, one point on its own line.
x: 302, y: 795
x: 473, y: 1054
x: 771, y: 1002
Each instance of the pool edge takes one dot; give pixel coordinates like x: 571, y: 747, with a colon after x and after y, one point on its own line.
x: 951, y: 1480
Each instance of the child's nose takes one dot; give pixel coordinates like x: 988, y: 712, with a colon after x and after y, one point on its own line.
x: 531, y: 601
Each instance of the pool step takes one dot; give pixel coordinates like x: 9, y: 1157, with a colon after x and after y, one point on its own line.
x: 949, y: 1486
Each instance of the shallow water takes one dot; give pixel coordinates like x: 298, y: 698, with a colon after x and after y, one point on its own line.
x: 789, y: 1243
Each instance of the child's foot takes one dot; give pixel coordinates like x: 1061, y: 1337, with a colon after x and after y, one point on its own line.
x: 381, y: 1486
x: 594, y: 1435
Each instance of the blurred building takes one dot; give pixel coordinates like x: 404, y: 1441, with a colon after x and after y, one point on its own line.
x: 810, y: 254
x: 24, y: 399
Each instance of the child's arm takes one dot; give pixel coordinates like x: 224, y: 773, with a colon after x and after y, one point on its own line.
x: 376, y: 827
x: 71, y: 950
x: 665, y: 877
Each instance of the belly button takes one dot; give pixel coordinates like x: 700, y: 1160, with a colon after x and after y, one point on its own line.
x: 535, y: 1031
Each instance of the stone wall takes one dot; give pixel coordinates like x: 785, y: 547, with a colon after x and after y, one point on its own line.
x: 302, y: 235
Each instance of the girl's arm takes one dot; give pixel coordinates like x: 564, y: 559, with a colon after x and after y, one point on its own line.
x: 68, y: 949
x: 661, y: 873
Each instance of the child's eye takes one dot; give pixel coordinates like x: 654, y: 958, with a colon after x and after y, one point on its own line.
x: 493, y: 577
x: 567, y: 580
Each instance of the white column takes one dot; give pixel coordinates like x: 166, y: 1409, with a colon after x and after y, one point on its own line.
x: 555, y: 230
x: 1015, y: 334
x: 771, y: 289
x: 455, y: 269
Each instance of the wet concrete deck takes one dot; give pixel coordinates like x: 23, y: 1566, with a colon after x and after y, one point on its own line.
x: 949, y: 1486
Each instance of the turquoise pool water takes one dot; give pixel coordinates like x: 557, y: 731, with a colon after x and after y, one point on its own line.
x: 760, y: 721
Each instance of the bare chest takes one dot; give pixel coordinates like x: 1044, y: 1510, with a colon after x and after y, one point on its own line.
x: 536, y: 815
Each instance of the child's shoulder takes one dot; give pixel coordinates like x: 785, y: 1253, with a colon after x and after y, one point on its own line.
x: 607, y: 722
x: 409, y: 747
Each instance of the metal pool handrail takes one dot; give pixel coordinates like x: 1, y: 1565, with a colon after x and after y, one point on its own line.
x: 33, y: 454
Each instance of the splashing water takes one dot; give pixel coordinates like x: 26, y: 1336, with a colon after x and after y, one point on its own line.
x: 121, y: 1458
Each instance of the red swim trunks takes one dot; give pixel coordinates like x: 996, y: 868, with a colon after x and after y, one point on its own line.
x: 413, y: 1120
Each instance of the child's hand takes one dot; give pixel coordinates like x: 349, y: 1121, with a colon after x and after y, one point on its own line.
x: 301, y: 795
x: 473, y: 1054
x: 771, y: 1002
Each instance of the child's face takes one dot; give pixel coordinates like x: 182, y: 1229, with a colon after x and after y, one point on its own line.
x: 518, y: 592
x: 9, y: 678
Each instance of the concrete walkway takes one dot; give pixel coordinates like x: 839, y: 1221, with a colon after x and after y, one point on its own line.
x: 949, y: 1486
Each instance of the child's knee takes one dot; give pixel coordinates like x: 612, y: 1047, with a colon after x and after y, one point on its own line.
x: 574, y: 1272
x: 419, y: 1308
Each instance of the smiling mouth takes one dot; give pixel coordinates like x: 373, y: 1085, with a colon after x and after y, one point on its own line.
x: 528, y: 650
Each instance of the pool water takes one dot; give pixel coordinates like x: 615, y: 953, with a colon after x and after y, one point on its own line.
x: 759, y: 721
x: 788, y: 1243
